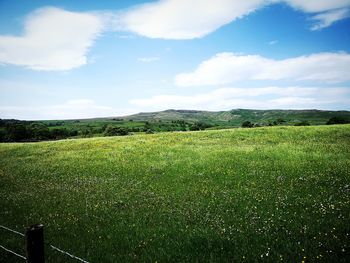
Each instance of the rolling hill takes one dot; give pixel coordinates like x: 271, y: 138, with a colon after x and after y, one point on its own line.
x: 237, y: 116
x: 161, y: 121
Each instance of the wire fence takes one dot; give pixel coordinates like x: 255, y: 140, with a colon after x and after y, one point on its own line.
x: 51, y: 246
x: 68, y: 254
x: 11, y: 230
x: 12, y: 252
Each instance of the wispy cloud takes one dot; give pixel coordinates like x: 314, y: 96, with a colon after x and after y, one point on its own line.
x: 273, y: 42
x: 148, y: 59
x: 125, y: 36
x: 254, y: 98
x: 183, y: 19
x: 72, y: 109
x: 226, y: 68
x: 315, y: 6
x: 328, y: 18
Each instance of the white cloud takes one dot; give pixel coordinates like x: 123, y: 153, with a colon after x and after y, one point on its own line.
x: 328, y: 18
x: 125, y: 36
x: 273, y: 42
x: 314, y: 6
x: 56, y: 39
x: 225, y: 68
x: 53, y: 39
x: 183, y: 19
x: 72, y: 109
x: 148, y: 59
x: 253, y: 98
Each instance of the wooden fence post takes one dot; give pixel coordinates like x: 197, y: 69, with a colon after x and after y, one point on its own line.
x: 35, y: 244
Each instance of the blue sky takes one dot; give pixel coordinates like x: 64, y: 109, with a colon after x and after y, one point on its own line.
x: 81, y: 59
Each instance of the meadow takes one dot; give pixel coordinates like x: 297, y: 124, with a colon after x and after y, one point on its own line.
x: 270, y: 194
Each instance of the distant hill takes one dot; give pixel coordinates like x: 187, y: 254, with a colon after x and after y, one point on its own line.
x: 162, y: 121
x: 237, y: 116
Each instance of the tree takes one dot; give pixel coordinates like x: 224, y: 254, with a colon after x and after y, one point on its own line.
x: 337, y: 120
x: 86, y: 132
x: 39, y: 131
x: 147, y: 126
x: 280, y: 121
x: 302, y: 123
x: 2, y: 135
x: 17, y: 132
x: 115, y: 131
x: 73, y: 132
x: 247, y: 124
x: 198, y: 126
x: 59, y: 133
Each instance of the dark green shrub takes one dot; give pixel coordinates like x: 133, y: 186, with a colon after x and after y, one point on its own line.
x: 59, y: 133
x: 337, y: 120
x: 115, y: 131
x: 2, y: 135
x: 247, y: 124
x: 39, y: 131
x: 17, y: 132
x: 198, y: 126
x: 302, y: 123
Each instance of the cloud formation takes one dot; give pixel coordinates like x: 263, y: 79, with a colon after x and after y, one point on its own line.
x: 226, y: 68
x: 314, y: 6
x: 183, y: 19
x: 53, y: 39
x: 148, y: 59
x: 56, y: 39
x: 71, y: 109
x: 328, y: 18
x: 252, y: 98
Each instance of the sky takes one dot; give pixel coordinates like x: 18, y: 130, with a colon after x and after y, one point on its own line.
x: 87, y: 58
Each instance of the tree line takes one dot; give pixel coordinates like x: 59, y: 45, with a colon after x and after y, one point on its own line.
x: 31, y: 131
x: 27, y: 131
x: 331, y: 121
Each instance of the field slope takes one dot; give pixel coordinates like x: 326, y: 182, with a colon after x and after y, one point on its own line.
x: 242, y: 195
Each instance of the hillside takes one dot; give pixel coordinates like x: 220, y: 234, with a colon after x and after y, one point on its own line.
x: 237, y: 116
x: 240, y: 195
x: 162, y: 121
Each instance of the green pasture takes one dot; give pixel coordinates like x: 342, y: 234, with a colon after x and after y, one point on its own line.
x: 272, y: 194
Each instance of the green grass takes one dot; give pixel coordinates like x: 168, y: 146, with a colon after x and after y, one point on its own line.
x: 243, y: 195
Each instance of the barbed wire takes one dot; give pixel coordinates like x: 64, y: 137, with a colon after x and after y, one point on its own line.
x: 11, y: 230
x: 12, y: 252
x: 53, y: 247
x: 68, y: 254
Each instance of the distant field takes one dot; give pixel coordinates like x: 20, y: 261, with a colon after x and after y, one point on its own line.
x: 242, y: 195
x: 163, y: 121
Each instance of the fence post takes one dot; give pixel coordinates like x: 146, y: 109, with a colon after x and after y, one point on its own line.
x: 35, y: 244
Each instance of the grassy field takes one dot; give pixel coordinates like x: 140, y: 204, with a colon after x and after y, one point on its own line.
x: 243, y: 195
